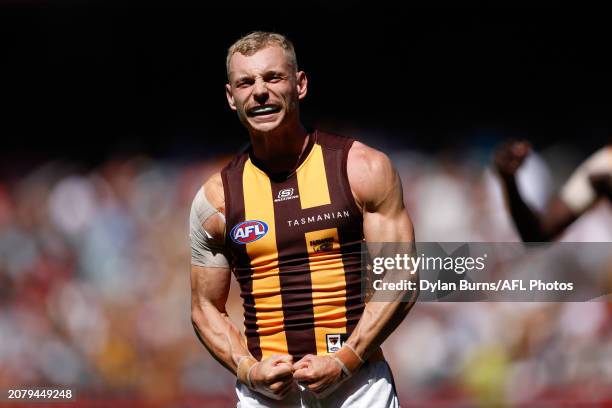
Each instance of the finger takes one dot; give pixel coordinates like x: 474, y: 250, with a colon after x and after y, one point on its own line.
x: 278, y: 385
x: 319, y: 391
x: 285, y: 389
x: 284, y: 377
x: 308, y: 357
x: 317, y: 386
x: 282, y: 369
x: 280, y: 373
x: 281, y: 358
x: 301, y: 364
x: 301, y: 360
x: 302, y: 375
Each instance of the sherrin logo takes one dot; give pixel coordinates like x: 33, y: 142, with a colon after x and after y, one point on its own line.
x: 248, y: 231
x: 285, y: 194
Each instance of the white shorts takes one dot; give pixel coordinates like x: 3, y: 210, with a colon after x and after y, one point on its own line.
x: 371, y: 387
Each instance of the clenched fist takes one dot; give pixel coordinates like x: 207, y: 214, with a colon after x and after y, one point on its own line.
x: 320, y: 374
x: 272, y: 377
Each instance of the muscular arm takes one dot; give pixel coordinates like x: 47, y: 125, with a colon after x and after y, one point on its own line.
x: 210, y: 282
x: 209, y: 291
x: 377, y: 189
x: 378, y: 192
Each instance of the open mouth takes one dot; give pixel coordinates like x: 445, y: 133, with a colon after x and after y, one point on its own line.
x: 263, y: 110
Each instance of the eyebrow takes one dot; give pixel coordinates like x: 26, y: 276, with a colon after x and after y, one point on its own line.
x: 242, y: 78
x: 273, y: 72
x: 269, y: 73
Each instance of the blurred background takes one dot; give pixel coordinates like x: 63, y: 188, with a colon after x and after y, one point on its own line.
x: 114, y: 115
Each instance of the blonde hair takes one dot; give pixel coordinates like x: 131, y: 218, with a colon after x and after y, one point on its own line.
x: 257, y: 40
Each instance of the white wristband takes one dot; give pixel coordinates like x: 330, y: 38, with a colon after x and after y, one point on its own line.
x: 248, y: 377
x: 345, y: 370
x: 355, y: 352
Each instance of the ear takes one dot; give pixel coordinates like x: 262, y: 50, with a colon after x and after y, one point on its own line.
x: 230, y: 96
x: 302, y: 84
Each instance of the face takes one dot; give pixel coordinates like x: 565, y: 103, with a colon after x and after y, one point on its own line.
x: 265, y: 90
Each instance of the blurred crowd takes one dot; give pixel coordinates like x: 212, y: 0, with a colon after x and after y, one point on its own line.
x: 95, y: 292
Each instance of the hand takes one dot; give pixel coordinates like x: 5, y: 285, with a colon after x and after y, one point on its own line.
x: 510, y: 156
x: 272, y: 377
x: 320, y: 374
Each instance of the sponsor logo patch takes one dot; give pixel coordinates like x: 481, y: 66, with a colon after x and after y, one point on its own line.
x: 285, y: 194
x: 333, y: 215
x: 248, y: 231
x: 335, y: 341
x: 322, y: 245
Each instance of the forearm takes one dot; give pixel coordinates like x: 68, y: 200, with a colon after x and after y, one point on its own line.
x: 219, y: 335
x: 379, y: 320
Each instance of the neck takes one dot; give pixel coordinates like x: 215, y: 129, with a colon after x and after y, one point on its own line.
x: 280, y: 151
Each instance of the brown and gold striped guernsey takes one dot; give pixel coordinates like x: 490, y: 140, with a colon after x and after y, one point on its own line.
x: 294, y: 244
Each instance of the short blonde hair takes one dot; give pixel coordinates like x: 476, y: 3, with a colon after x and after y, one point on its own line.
x: 257, y: 40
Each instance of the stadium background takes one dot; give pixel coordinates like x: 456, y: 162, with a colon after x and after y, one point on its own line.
x: 113, y: 116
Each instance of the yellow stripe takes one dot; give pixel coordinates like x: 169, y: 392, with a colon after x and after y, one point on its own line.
x: 312, y: 180
x: 259, y: 205
x: 328, y: 284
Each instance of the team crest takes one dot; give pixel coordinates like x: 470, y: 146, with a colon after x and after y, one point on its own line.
x: 335, y: 342
x: 248, y: 231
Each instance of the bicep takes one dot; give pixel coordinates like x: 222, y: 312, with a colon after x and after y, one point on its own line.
x: 382, y: 227
x: 379, y: 189
x: 389, y: 222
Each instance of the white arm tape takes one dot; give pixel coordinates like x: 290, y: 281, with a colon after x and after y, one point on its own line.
x: 205, y: 250
x: 578, y: 193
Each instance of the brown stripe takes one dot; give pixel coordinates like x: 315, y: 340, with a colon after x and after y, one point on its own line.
x: 232, y: 186
x: 350, y: 235
x: 351, y: 258
x: 328, y: 285
x: 296, y: 286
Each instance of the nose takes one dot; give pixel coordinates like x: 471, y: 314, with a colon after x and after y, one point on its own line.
x: 260, y: 92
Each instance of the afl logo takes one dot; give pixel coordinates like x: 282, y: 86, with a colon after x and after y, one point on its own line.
x: 248, y: 231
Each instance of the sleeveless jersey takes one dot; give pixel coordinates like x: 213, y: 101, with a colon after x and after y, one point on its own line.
x: 294, y: 247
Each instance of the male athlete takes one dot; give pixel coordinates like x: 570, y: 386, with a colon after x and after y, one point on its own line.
x: 590, y: 183
x: 288, y: 218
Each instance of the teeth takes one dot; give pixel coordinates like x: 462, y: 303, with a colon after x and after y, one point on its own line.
x: 264, y: 110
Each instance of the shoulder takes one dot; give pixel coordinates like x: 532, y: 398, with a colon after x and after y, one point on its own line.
x: 370, y: 172
x: 213, y: 188
x: 207, y: 204
x: 367, y: 161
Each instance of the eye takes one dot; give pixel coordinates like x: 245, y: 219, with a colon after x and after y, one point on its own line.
x: 274, y: 77
x: 244, y: 83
